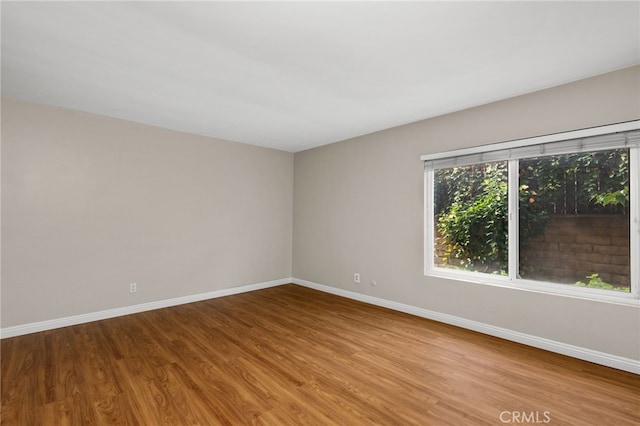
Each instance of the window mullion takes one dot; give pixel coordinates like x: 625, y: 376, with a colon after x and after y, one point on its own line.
x: 513, y: 241
x: 634, y: 207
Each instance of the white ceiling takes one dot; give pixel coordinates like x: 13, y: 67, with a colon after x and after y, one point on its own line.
x: 298, y: 75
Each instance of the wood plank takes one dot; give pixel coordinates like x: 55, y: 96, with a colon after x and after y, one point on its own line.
x: 292, y: 355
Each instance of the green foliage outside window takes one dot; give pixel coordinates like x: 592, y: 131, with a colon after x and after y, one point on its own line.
x: 594, y: 281
x: 471, y: 202
x: 473, y: 215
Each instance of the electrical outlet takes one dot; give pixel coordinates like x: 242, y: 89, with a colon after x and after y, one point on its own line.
x: 356, y: 278
x: 133, y: 287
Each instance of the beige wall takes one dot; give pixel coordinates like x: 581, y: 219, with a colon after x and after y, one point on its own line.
x: 358, y: 207
x: 90, y: 204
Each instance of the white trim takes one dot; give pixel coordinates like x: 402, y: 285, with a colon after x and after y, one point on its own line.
x: 34, y: 327
x: 429, y: 222
x: 602, y: 358
x: 597, y: 357
x: 634, y: 206
x: 513, y: 235
x: 574, y: 134
x: 556, y: 289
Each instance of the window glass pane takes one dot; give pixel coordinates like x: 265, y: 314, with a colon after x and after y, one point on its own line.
x: 574, y: 219
x: 471, y: 218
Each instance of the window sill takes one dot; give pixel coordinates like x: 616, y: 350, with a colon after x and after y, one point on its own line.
x: 564, y: 290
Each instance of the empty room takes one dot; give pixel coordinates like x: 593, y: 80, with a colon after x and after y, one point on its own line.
x: 323, y: 213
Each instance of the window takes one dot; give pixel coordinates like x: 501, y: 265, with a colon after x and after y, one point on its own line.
x: 557, y: 213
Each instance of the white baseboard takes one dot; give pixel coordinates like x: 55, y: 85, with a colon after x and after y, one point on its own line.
x: 34, y: 327
x: 597, y: 357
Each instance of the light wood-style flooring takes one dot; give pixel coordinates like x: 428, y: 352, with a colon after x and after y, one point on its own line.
x: 290, y: 355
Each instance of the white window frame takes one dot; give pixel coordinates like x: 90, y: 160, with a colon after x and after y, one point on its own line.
x: 512, y: 281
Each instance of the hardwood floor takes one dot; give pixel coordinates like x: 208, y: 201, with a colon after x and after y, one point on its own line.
x: 291, y: 355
